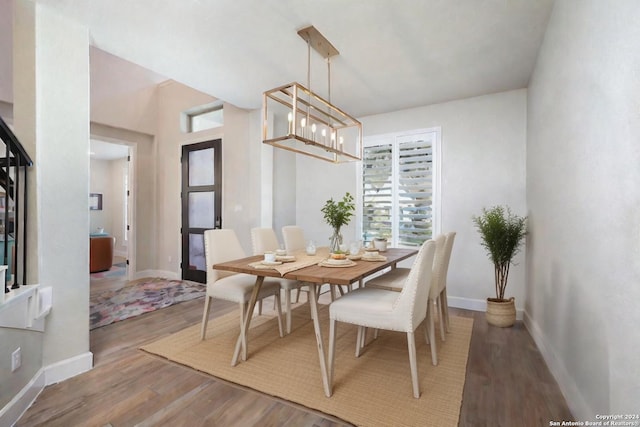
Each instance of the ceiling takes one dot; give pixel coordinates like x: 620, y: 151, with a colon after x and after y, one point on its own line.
x: 394, y: 54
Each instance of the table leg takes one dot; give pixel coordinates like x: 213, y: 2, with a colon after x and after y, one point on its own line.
x: 313, y: 303
x: 241, y: 343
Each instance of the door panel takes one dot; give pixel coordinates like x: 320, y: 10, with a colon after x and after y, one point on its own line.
x: 201, y: 203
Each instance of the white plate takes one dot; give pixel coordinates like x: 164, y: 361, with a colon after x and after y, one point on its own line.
x: 348, y: 263
x: 271, y: 262
x: 374, y: 258
x: 332, y: 261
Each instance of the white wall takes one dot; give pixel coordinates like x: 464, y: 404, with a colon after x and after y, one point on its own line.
x: 107, y: 178
x: 483, y: 164
x: 99, y: 182
x: 584, y: 204
x: 241, y: 169
x: 6, y: 45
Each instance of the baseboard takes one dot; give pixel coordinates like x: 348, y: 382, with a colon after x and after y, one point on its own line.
x: 51, y: 374
x: 12, y: 412
x: 570, y: 390
x: 476, y: 305
x: 171, y: 275
x: 68, y: 368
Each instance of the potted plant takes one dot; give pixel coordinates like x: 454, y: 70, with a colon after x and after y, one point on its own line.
x: 502, y: 234
x: 337, y: 214
x: 380, y: 242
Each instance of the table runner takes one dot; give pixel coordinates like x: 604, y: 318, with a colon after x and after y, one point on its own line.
x: 302, y: 260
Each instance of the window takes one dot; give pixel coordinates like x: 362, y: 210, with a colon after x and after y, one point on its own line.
x: 203, y: 117
x: 400, y: 187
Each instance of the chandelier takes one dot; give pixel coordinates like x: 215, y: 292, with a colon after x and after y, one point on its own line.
x: 299, y: 120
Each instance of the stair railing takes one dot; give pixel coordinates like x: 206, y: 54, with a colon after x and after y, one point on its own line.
x: 13, y: 208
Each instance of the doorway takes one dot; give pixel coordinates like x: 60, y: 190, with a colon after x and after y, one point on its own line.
x: 112, y: 181
x: 201, y: 203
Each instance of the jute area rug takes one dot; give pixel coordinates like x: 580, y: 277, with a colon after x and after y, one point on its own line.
x: 372, y: 390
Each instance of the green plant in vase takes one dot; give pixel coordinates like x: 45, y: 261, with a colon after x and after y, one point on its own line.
x: 337, y: 214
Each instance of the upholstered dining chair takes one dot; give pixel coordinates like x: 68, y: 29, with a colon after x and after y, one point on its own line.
x: 222, y: 245
x: 263, y: 240
x: 376, y: 308
x: 293, y: 236
x: 394, y: 280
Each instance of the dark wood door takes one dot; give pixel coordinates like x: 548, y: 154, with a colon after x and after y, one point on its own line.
x: 201, y: 203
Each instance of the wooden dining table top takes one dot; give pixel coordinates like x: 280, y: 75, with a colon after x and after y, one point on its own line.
x: 320, y: 274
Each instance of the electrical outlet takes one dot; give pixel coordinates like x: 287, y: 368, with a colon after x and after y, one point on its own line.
x: 16, y: 359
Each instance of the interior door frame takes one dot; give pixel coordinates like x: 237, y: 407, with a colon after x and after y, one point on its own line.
x: 186, y: 230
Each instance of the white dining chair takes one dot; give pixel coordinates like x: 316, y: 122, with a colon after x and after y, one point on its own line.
x: 263, y: 240
x: 395, y: 279
x: 222, y: 245
x: 293, y: 236
x: 294, y: 240
x: 451, y: 236
x: 400, y: 311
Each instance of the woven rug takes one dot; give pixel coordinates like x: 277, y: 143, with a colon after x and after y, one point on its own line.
x: 141, y: 297
x: 372, y: 390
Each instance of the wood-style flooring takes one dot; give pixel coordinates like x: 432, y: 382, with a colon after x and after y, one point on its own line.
x: 507, y: 382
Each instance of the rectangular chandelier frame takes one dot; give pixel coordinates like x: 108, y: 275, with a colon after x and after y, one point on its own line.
x: 297, y: 119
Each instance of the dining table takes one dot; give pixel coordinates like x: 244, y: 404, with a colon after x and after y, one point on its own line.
x: 313, y: 271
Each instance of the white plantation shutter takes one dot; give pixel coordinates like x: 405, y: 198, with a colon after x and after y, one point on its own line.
x: 398, y: 190
x: 377, y: 206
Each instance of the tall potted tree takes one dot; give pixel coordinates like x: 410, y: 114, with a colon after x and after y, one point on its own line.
x: 337, y: 214
x: 502, y: 234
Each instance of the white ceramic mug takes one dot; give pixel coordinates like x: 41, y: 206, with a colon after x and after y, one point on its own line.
x: 269, y: 257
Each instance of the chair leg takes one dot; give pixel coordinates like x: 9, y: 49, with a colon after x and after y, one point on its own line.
x: 439, y: 307
x: 205, y: 316
x: 298, y: 295
x: 260, y: 307
x: 287, y: 307
x: 425, y: 328
x: 411, y: 343
x: 432, y: 334
x: 332, y: 352
x: 445, y: 309
x: 359, y: 344
x: 279, y: 308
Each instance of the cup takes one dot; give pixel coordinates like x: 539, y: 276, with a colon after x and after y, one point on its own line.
x: 311, y: 248
x: 269, y: 257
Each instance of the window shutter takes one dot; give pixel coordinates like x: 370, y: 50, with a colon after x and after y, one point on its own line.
x: 398, y: 188
x: 415, y: 192
x: 377, y: 191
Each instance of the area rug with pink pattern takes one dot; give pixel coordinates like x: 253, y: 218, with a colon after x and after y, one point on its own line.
x: 139, y: 298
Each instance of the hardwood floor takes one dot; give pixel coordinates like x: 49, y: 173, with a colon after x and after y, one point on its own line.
x: 507, y: 383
